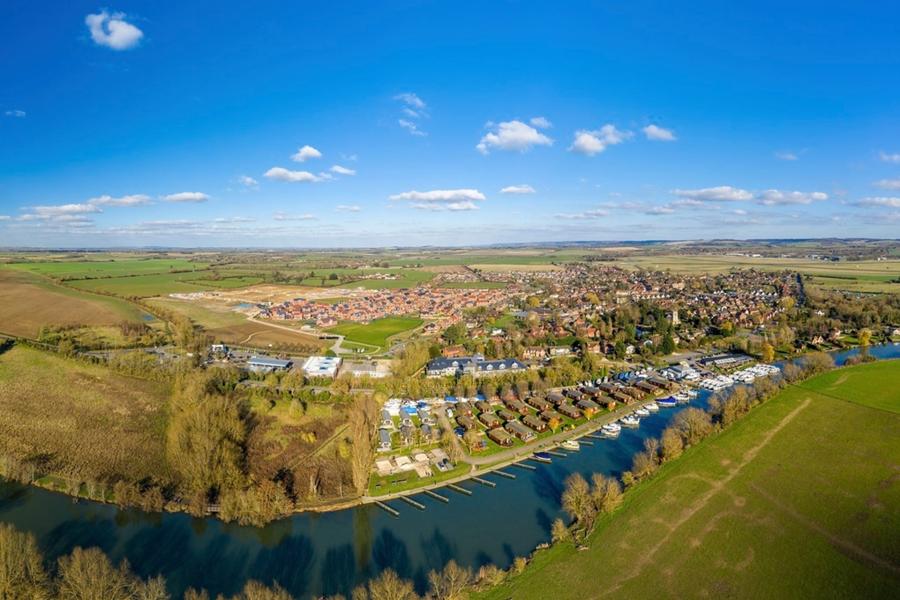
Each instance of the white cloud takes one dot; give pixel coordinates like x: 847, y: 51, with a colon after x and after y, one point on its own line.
x: 892, y: 202
x: 454, y: 200
x: 411, y: 100
x: 281, y: 216
x: 523, y: 188
x: 247, y: 181
x: 5, y: 217
x: 19, y: 114
x: 786, y: 155
x: 411, y: 127
x: 595, y: 213
x: 659, y: 210
x: 888, y: 184
x: 596, y: 141
x: 347, y: 208
x: 305, y: 153
x: 187, y: 197
x: 541, y: 122
x: 889, y: 158
x: 64, y: 209
x: 129, y: 200
x: 776, y: 197
x: 342, y: 170
x: 113, y: 31
x: 659, y: 134
x: 722, y: 193
x: 282, y: 174
x: 513, y: 135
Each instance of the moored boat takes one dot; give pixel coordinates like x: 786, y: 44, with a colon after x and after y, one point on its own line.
x: 571, y: 445
x: 630, y: 421
x: 652, y: 406
x: 667, y: 402
x: 642, y: 412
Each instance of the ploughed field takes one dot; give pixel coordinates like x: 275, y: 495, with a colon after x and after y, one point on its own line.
x: 800, y: 499
x: 82, y: 420
x: 29, y: 302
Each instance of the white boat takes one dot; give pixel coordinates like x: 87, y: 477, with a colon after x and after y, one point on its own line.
x: 652, y: 406
x: 571, y: 445
x: 642, y: 412
x: 611, y: 428
x: 630, y: 421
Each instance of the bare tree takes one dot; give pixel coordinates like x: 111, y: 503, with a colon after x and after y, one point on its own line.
x: 389, y: 586
x: 449, y: 584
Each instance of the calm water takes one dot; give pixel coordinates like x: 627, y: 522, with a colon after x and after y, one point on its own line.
x: 313, y: 555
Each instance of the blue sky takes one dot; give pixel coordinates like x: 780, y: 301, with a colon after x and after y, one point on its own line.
x: 182, y: 124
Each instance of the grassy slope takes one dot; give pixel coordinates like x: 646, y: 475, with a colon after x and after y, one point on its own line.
x: 28, y: 301
x: 875, y: 384
x: 810, y: 510
x: 88, y: 420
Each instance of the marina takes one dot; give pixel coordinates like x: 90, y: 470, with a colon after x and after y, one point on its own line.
x: 304, y: 551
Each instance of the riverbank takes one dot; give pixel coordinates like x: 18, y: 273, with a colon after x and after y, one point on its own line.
x: 777, y: 505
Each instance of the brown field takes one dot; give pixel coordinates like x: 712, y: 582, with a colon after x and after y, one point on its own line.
x: 501, y: 268
x: 28, y: 302
x: 85, y: 421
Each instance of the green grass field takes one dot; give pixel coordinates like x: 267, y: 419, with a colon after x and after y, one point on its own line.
x: 800, y: 499
x: 377, y: 332
x: 115, y: 267
x: 145, y: 286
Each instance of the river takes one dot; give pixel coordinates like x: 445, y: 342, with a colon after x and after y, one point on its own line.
x: 321, y: 554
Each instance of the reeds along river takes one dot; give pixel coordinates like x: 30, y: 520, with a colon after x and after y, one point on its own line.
x: 323, y: 554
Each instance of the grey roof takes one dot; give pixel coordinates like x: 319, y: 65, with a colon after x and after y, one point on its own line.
x: 265, y: 361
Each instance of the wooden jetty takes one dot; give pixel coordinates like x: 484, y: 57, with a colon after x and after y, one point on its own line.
x: 437, y: 496
x: 539, y: 459
x: 524, y: 466
x: 461, y: 490
x: 412, y: 502
x: 505, y: 474
x: 484, y: 482
x: 555, y: 453
x: 387, y: 508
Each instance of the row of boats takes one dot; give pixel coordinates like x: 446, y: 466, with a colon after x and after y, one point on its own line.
x: 746, y: 376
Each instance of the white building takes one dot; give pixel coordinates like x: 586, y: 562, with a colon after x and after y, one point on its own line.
x: 321, y: 366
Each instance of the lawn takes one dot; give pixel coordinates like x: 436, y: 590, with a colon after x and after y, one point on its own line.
x: 29, y: 302
x: 800, y: 499
x: 377, y: 332
x: 85, y: 420
x: 143, y: 286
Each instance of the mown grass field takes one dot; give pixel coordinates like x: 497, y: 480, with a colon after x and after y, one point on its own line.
x: 144, y: 286
x: 800, y: 499
x: 88, y: 422
x: 29, y: 302
x: 377, y: 332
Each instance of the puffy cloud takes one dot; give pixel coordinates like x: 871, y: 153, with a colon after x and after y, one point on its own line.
x: 247, y: 181
x: 281, y: 216
x: 113, y: 31
x: 785, y: 155
x: 129, y: 200
x: 595, y: 213
x: 889, y: 158
x: 19, y: 114
x: 722, y: 193
x: 888, y: 184
x: 892, y: 202
x: 282, y: 174
x: 187, y: 197
x: 305, y: 153
x: 513, y: 135
x: 541, y: 122
x: 776, y: 197
x: 411, y: 127
x: 439, y: 200
x: 347, y: 208
x: 591, y: 142
x: 342, y: 170
x: 518, y: 189
x: 659, y: 134
x: 659, y: 210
